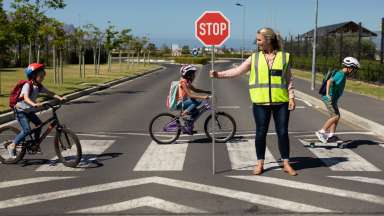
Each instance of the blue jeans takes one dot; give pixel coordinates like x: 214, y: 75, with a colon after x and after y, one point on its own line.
x: 190, y: 105
x: 262, y: 115
x: 24, y: 118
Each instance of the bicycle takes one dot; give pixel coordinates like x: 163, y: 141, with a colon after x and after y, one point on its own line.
x: 165, y: 128
x: 65, y: 141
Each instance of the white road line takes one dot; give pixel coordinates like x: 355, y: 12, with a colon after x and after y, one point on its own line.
x: 228, y: 107
x: 159, y: 157
x: 361, y: 179
x: 90, y: 148
x: 95, y: 135
x: 146, y: 201
x: 341, y: 159
x: 219, y: 191
x: 22, y: 182
x: 306, y: 102
x: 242, y: 155
x: 315, y: 188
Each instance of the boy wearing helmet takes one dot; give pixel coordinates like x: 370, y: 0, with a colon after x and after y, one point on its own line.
x: 187, y: 98
x: 26, y: 105
x: 334, y: 89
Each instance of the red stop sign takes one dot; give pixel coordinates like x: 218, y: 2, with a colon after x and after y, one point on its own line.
x: 212, y: 28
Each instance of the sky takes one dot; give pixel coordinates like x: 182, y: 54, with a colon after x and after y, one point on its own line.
x: 172, y: 21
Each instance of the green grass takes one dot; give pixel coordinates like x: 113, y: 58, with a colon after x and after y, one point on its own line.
x: 72, y: 80
x: 359, y: 87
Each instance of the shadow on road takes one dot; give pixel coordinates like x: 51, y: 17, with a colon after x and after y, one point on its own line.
x: 88, y: 161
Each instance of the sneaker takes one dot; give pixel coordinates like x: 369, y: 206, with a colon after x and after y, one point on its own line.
x: 12, y: 152
x: 321, y: 136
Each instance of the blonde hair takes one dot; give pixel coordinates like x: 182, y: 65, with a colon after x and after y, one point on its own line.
x: 272, y: 38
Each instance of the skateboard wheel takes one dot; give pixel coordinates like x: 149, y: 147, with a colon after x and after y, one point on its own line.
x: 312, y: 145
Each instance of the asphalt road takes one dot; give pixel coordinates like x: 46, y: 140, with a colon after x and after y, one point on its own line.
x: 124, y: 172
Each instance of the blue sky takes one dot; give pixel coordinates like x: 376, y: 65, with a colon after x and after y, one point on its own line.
x: 173, y: 20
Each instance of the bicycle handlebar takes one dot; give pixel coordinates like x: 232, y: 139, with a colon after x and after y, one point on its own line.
x: 54, y: 108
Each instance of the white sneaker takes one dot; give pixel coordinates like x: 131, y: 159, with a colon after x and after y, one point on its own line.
x: 321, y: 136
x: 12, y: 152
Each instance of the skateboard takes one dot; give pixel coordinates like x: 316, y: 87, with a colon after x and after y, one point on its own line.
x: 339, y: 143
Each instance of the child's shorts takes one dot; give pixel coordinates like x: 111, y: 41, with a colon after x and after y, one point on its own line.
x: 333, y: 109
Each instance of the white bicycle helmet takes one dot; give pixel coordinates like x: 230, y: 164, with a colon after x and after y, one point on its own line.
x: 187, y: 70
x: 351, y: 62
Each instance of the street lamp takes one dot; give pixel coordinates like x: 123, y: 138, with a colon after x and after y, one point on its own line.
x: 243, y: 40
x: 313, y: 81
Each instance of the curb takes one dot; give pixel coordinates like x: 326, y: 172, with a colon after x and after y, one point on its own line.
x: 348, y: 116
x: 9, y: 116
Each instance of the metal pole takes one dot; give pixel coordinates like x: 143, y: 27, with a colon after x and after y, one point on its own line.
x: 243, y: 45
x: 382, y: 41
x: 213, y: 113
x: 314, y: 49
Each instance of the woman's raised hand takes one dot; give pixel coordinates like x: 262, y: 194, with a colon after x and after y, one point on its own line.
x: 213, y: 74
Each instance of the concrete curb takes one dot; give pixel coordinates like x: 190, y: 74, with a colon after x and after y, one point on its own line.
x: 9, y: 116
x: 347, y: 116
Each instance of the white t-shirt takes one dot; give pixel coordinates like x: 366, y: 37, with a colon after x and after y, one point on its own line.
x: 22, y: 105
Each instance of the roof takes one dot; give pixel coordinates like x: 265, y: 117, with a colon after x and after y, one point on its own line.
x: 347, y: 28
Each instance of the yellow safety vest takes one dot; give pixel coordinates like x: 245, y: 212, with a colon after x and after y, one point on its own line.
x: 269, y: 85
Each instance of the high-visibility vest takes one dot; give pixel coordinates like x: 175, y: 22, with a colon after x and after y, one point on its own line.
x: 269, y: 85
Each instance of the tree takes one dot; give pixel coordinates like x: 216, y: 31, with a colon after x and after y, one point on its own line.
x: 28, y: 17
x: 165, y: 49
x: 110, y: 43
x: 185, y: 50
x: 5, y: 38
x: 94, y: 36
x: 124, y: 39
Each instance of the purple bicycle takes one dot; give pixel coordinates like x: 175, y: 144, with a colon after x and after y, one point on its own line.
x: 165, y: 128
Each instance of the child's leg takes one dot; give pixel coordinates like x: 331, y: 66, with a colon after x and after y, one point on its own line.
x: 26, y: 129
x: 327, y: 125
x: 37, y: 122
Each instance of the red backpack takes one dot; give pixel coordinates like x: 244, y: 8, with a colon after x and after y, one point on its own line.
x: 15, y: 93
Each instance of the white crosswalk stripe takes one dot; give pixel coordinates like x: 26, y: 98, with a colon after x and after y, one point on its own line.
x: 242, y: 155
x: 90, y: 148
x: 315, y: 188
x: 361, y: 179
x: 181, y: 184
x: 163, y: 157
x: 22, y: 182
x: 146, y: 201
x: 341, y: 159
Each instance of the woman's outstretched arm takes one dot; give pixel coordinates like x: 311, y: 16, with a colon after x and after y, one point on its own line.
x: 234, y: 72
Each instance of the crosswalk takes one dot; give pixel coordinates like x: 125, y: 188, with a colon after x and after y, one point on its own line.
x: 241, y: 155
x: 128, y: 202
x: 173, y: 157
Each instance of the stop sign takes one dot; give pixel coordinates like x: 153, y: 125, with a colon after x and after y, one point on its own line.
x: 212, y: 28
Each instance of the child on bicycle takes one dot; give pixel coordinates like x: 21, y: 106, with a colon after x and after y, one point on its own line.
x: 187, y: 98
x: 26, y: 105
x: 334, y: 89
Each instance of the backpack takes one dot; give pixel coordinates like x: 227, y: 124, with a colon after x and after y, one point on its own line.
x: 327, y: 76
x: 171, y: 102
x: 15, y: 93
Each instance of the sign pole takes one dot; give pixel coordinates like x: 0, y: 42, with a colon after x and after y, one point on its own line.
x: 213, y: 111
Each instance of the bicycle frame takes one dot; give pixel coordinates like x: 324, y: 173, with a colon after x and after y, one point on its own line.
x: 53, y: 123
x: 174, y: 125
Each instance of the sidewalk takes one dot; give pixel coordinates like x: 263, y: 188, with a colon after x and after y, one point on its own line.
x: 364, y: 107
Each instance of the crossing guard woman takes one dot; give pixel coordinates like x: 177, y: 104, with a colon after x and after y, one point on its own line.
x: 271, y: 91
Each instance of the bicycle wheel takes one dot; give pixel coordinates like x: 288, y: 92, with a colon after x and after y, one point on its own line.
x: 67, y: 147
x: 165, y: 128
x: 225, y: 127
x: 7, y: 135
